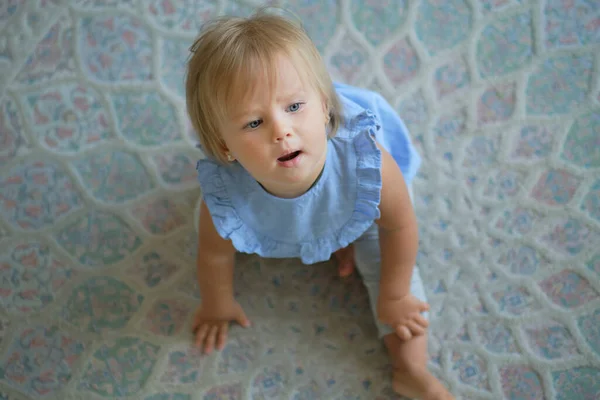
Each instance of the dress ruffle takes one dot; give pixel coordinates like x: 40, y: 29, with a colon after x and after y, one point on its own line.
x: 230, y: 226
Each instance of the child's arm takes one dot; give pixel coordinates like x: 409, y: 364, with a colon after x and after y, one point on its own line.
x: 215, y: 261
x: 399, y: 242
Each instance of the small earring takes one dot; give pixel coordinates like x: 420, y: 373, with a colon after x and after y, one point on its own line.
x: 230, y: 158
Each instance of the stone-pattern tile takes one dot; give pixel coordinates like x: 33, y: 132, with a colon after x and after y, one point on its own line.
x: 224, y: 392
x: 9, y: 9
x: 30, y: 277
x: 559, y: 85
x: 514, y: 300
x: 449, y: 128
x: 175, y: 52
x: 98, y: 239
x: 521, y: 382
x: 503, y: 184
x: 532, y: 143
x: 40, y: 361
x: 349, y: 60
x: 443, y: 24
x: 570, y: 24
x: 269, y: 383
x: 114, y: 176
x: 238, y: 357
x: 505, y: 45
x: 5, y: 323
x: 517, y: 222
x: 146, y: 119
x: 581, y: 147
x: 555, y: 187
x: 239, y: 8
x: 578, y: 382
x: 568, y: 236
x: 589, y: 326
x: 119, y: 368
x: 176, y: 168
x: 168, y: 396
x: 400, y: 63
x: 11, y: 126
x: 101, y: 304
x: 497, y: 104
x: 37, y: 195
x: 181, y: 15
x: 115, y: 48
x: 414, y: 110
x: 160, y: 216
x: 591, y: 201
x: 153, y: 268
x: 451, y: 77
x: 319, y: 18
x: 167, y: 317
x: 497, y: 95
x: 496, y: 337
x: 522, y: 260
x: 100, y: 4
x: 471, y: 370
x: 378, y: 21
x: 68, y: 118
x: 568, y: 289
x: 53, y: 56
x: 184, y: 366
x: 550, y: 340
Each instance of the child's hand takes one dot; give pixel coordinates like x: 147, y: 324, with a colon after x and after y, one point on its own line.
x: 211, y: 323
x: 403, y: 315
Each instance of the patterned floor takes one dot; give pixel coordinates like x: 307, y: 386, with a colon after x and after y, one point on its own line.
x: 97, y: 189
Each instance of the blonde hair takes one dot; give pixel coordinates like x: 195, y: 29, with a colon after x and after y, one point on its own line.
x: 227, y: 57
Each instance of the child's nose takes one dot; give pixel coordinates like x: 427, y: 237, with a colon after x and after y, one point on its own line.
x: 281, y: 131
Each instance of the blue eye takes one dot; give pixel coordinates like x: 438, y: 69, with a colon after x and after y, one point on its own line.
x: 294, y: 107
x: 254, y: 124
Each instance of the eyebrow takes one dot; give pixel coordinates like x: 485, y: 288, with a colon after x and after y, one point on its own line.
x: 249, y: 111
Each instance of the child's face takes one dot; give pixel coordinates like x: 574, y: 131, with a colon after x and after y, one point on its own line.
x: 280, y: 137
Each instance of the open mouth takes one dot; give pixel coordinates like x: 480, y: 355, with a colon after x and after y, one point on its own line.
x: 289, y: 157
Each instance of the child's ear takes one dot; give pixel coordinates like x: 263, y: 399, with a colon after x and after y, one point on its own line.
x: 224, y: 149
x: 326, y: 111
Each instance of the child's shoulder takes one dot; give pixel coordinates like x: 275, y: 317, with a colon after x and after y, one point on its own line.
x: 355, y: 99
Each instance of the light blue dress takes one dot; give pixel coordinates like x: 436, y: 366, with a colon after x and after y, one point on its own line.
x: 338, y: 210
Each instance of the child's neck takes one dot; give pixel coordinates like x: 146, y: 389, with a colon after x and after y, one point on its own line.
x: 314, y: 182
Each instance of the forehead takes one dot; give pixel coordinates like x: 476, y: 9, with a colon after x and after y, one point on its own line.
x: 263, y: 79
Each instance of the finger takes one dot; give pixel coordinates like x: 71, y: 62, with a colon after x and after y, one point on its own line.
x: 209, y: 344
x: 423, y: 307
x: 415, y: 329
x: 243, y: 320
x: 421, y: 320
x: 222, y: 336
x: 201, y: 331
x: 403, y: 332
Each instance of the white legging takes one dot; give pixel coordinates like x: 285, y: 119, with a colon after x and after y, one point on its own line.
x: 368, y: 263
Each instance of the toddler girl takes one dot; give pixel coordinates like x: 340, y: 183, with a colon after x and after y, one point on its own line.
x: 298, y: 166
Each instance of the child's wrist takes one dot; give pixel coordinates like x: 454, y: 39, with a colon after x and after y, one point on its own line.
x: 393, y: 290
x: 216, y: 293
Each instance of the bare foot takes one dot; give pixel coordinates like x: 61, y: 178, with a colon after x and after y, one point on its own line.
x: 411, y: 377
x: 345, y: 260
x: 405, y: 385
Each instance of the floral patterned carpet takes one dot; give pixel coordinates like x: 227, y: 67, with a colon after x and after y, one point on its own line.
x: 97, y: 192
